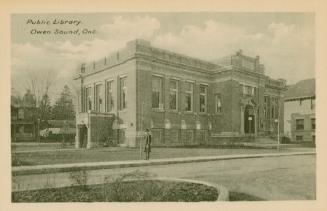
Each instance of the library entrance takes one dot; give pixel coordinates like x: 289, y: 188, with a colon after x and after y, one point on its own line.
x: 249, y: 120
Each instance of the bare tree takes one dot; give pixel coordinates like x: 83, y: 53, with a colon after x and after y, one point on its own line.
x: 40, y: 82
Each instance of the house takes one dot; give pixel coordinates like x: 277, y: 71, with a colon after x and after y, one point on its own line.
x: 23, y: 122
x: 299, y: 111
x: 183, y: 100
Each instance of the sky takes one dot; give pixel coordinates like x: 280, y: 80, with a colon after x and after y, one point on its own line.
x: 285, y: 42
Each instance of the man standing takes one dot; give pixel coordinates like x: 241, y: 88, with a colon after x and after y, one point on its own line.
x: 147, y: 148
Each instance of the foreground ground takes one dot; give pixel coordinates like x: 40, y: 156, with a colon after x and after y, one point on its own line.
x: 52, y: 154
x: 268, y: 178
x: 145, y: 191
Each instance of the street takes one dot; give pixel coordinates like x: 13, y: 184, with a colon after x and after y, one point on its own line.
x: 268, y: 178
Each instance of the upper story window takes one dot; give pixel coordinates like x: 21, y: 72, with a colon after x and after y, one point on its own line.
x: 173, y: 94
x: 299, y: 124
x: 189, y: 89
x: 123, y: 93
x: 98, y: 97
x: 203, y: 98
x: 248, y: 90
x: 218, y: 103
x: 88, y: 98
x: 157, y: 92
x: 109, y: 96
x: 265, y: 107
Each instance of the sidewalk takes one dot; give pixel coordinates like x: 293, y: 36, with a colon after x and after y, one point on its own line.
x: 69, y: 148
x: 55, y: 168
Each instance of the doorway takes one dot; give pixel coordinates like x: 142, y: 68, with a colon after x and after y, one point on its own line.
x: 82, y: 136
x: 249, y: 120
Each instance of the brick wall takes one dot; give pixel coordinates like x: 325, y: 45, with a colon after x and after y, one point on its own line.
x: 101, y: 129
x: 147, y: 117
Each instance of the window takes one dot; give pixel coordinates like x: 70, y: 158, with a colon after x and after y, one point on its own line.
x: 299, y: 138
x: 248, y: 90
x: 299, y: 124
x: 157, y: 93
x: 218, y: 103
x: 172, y: 136
x: 202, y: 136
x: 98, y: 97
x: 313, y: 123
x: 109, y: 96
x: 203, y: 98
x: 189, y: 87
x: 190, y: 136
x: 123, y: 93
x: 265, y: 108
x: 173, y: 96
x: 187, y: 136
x: 88, y: 99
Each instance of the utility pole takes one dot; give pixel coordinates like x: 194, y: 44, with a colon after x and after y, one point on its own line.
x: 277, y: 122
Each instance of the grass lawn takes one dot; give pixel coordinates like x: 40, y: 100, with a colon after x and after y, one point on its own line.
x: 42, y: 146
x: 121, y: 154
x: 136, y: 191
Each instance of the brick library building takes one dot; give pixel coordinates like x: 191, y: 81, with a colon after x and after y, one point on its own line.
x: 182, y: 100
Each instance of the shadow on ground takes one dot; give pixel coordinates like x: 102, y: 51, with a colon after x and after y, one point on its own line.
x: 237, y: 196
